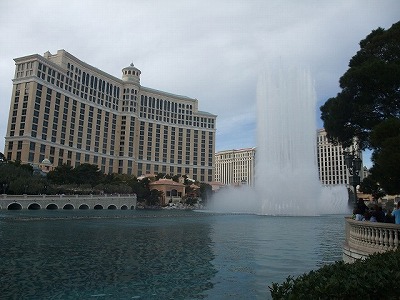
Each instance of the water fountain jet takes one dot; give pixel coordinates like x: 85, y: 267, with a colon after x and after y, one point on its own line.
x: 286, y: 166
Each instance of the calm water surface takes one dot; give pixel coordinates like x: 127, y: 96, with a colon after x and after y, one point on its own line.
x: 158, y: 254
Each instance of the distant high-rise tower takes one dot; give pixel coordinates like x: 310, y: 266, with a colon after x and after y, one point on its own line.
x: 67, y: 111
x: 331, y: 167
x: 234, y: 167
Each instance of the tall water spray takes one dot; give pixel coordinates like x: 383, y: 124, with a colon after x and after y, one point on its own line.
x: 286, y: 166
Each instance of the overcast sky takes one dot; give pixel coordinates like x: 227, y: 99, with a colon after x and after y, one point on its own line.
x: 209, y: 50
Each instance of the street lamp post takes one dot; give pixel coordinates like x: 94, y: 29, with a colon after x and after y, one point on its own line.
x: 5, y: 185
x: 353, y: 163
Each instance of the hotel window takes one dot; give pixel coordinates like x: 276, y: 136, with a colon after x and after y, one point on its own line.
x: 31, y: 157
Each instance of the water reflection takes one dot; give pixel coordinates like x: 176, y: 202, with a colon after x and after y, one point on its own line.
x: 331, y: 237
x: 142, y: 257
x: 252, y: 251
x: 158, y: 255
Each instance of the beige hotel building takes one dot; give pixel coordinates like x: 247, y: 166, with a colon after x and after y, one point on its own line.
x: 69, y: 112
x: 235, y: 167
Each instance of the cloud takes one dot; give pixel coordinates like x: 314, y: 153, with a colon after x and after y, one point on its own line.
x: 209, y: 50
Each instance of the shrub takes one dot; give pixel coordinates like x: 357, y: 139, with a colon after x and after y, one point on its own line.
x: 376, y: 277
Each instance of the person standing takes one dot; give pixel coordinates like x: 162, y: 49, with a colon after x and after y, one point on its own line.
x: 389, y: 218
x: 362, y: 208
x: 396, y: 214
x: 379, y: 214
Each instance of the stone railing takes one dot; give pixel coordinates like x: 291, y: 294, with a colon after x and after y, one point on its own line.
x: 17, y: 202
x: 61, y: 196
x: 364, y: 238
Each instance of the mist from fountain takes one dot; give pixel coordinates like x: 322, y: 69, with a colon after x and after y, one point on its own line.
x: 286, y: 165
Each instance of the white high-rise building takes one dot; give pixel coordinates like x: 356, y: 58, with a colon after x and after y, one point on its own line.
x: 331, y: 167
x: 234, y: 167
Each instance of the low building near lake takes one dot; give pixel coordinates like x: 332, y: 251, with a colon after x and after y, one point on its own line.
x: 172, y: 191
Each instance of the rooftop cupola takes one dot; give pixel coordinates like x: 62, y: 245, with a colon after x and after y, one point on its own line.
x: 131, y: 74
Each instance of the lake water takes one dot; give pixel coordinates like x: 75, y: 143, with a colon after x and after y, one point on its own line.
x: 158, y: 254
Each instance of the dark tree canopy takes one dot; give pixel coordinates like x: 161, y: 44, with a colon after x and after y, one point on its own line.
x: 87, y: 173
x: 82, y: 174
x: 61, y: 175
x: 17, y: 178
x: 370, y: 186
x: 385, y: 139
x: 205, y: 192
x: 370, y: 90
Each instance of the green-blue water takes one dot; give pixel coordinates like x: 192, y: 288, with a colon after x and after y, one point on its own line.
x: 158, y: 254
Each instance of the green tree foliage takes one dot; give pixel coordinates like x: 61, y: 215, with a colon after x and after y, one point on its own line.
x: 116, y: 183
x: 385, y: 139
x: 26, y: 167
x: 370, y: 90
x: 141, y: 188
x: 191, y: 200
x: 32, y: 185
x: 370, y: 186
x: 87, y: 174
x: 9, y: 172
x: 115, y: 188
x: 159, y: 176
x: 154, y: 197
x: 118, y: 178
x: 82, y: 174
x: 17, y: 178
x: 191, y: 191
x: 205, y: 192
x: 61, y: 175
x: 372, y: 278
x: 176, y: 178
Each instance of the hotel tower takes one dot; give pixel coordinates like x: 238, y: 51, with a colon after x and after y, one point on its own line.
x: 69, y: 112
x: 235, y: 167
x: 331, y: 164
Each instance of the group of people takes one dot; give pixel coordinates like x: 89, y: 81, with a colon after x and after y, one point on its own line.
x: 376, y: 214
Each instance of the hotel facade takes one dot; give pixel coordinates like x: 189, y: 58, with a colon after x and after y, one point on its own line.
x: 69, y: 112
x: 330, y: 158
x: 235, y: 167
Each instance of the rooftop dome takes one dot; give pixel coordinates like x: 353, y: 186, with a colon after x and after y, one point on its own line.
x: 46, y: 162
x: 131, y: 73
